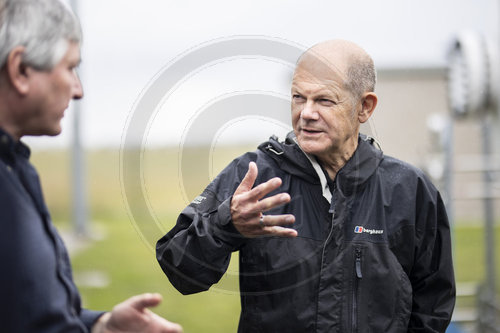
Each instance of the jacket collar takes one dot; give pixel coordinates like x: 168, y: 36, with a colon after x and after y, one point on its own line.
x: 360, y: 167
x: 9, y: 148
x: 290, y: 157
x: 350, y: 178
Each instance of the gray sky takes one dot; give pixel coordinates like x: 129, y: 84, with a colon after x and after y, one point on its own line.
x: 126, y: 43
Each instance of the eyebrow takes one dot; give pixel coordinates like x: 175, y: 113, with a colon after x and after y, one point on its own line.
x: 322, y: 93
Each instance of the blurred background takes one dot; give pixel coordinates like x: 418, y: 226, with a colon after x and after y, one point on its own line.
x: 427, y: 54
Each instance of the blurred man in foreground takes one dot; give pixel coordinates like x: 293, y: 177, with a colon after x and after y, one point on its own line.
x: 364, y: 240
x: 39, y: 52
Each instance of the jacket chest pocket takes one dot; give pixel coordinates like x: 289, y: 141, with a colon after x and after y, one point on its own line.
x: 380, y: 293
x: 356, y: 278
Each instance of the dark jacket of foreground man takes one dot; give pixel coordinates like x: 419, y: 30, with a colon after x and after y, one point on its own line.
x: 37, y: 293
x: 375, y: 257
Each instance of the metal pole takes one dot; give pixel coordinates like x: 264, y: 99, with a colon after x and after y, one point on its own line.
x: 449, y: 171
x: 488, y: 204
x: 79, y: 214
x: 488, y: 319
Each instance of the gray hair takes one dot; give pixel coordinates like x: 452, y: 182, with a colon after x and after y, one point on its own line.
x: 43, y: 27
x: 361, y: 76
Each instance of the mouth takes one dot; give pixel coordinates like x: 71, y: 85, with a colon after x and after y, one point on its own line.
x: 311, y: 131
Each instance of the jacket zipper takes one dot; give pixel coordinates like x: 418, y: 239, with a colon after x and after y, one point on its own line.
x: 324, y: 249
x: 326, y: 242
x: 358, y: 276
x: 329, y: 235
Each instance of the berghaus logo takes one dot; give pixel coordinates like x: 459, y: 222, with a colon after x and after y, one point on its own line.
x: 359, y: 230
x: 199, y: 199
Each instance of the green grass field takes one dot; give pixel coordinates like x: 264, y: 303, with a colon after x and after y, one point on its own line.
x: 123, y: 255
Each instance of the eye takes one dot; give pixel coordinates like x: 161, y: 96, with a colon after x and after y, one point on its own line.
x: 73, y: 66
x: 326, y: 102
x: 298, y: 98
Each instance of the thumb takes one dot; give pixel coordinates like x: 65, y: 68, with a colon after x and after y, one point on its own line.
x: 249, y: 179
x: 143, y: 301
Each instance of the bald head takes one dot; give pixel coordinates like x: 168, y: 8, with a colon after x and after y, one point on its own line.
x: 331, y: 97
x: 341, y: 61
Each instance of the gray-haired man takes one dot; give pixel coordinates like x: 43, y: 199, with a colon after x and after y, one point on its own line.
x: 39, y: 51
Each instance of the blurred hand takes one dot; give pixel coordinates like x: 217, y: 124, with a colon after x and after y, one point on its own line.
x: 247, y: 207
x: 133, y: 316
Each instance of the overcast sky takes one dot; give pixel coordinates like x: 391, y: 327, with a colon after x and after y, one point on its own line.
x: 127, y: 44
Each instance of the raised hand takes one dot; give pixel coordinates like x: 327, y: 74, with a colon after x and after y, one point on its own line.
x: 248, y: 206
x: 133, y: 316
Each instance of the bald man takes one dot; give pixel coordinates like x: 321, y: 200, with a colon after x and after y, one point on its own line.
x: 333, y: 236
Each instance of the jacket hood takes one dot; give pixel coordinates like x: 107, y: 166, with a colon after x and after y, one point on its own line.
x: 350, y: 177
x: 290, y: 157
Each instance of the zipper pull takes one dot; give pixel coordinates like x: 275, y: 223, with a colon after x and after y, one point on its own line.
x: 358, y: 264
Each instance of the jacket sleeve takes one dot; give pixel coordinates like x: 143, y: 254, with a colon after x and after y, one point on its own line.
x: 196, y: 252
x: 89, y: 317
x: 432, y: 275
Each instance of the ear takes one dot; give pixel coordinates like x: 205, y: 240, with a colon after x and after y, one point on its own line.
x: 17, y: 72
x: 368, y: 104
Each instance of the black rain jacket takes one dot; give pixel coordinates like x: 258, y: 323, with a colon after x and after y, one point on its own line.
x: 373, y: 254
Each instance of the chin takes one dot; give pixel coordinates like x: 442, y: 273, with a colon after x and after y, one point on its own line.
x: 310, y: 147
x: 53, y: 131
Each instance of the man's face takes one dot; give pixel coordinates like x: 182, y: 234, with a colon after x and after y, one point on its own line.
x: 51, y: 94
x: 323, y: 115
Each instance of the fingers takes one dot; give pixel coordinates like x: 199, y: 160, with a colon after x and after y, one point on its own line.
x: 133, y: 315
x: 280, y: 232
x: 272, y: 202
x: 277, y: 220
x: 259, y: 191
x: 245, y: 187
x: 143, y: 301
x: 249, y: 179
x: 247, y: 205
x: 166, y: 326
x: 272, y: 225
x: 268, y: 225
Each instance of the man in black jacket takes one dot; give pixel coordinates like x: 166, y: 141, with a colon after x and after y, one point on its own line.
x: 39, y: 52
x: 364, y: 240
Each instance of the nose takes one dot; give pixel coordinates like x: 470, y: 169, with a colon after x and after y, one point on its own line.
x: 309, y: 111
x: 77, y: 87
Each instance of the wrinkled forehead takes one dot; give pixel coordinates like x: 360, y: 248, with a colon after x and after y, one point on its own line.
x: 316, y: 69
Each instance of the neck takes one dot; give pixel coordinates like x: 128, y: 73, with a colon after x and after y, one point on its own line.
x: 333, y: 161
x: 7, y: 116
x: 9, y: 131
